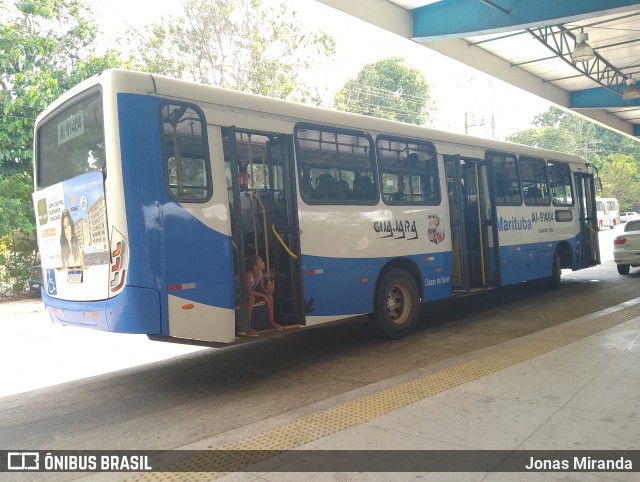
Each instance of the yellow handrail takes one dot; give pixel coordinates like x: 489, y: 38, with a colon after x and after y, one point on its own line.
x: 286, y: 248
x: 264, y: 230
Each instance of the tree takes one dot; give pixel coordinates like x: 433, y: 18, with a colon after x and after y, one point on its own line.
x: 619, y: 176
x: 560, y: 130
x: 577, y: 135
x: 544, y: 138
x: 388, y: 89
x: 45, y: 48
x: 246, y: 45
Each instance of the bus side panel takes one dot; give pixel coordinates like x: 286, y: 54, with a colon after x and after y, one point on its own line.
x: 339, y: 286
x: 342, y: 287
x: 344, y: 253
x: 176, y: 253
x: 525, y: 262
x: 532, y: 261
x: 140, y: 152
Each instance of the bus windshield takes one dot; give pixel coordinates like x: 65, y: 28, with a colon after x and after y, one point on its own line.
x: 71, y: 142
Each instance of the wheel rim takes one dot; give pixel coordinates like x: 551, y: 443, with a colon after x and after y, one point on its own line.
x: 396, y: 304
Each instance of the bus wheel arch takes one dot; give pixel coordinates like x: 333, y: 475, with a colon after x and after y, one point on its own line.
x: 397, y: 300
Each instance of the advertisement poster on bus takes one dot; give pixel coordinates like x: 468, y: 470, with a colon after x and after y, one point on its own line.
x: 71, y: 222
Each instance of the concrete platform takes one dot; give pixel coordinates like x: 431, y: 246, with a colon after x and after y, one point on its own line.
x: 573, y: 387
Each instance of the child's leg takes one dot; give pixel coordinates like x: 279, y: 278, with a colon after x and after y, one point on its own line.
x: 251, y: 301
x: 270, y: 312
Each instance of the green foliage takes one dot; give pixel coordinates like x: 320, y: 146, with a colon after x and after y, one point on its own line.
x: 544, y: 138
x: 245, y: 45
x: 16, y: 207
x: 559, y: 130
x: 388, y: 89
x: 38, y: 45
x: 45, y: 49
x: 619, y: 177
x: 17, y: 254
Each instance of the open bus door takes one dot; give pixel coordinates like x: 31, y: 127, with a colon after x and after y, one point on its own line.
x: 234, y: 166
x: 589, y: 250
x: 264, y: 219
x: 284, y: 231
x: 474, y: 238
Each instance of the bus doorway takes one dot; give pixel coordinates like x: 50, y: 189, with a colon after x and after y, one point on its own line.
x: 590, y: 251
x: 474, y: 238
x: 262, y: 195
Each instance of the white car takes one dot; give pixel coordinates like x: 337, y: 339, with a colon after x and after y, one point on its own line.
x: 628, y: 216
x: 626, y: 247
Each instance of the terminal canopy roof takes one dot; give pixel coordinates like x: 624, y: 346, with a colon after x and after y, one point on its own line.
x: 532, y: 45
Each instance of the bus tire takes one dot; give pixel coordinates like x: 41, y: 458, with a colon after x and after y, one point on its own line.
x: 397, y: 305
x: 556, y: 272
x: 623, y: 268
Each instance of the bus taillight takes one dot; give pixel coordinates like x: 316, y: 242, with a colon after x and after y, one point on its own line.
x: 119, y: 258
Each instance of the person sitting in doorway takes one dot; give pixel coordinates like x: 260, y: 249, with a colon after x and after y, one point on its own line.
x: 257, y: 290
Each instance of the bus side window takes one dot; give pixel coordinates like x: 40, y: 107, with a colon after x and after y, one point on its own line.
x: 534, y: 181
x: 409, y: 171
x: 185, y: 153
x: 560, y: 180
x: 506, y: 181
x: 335, y: 166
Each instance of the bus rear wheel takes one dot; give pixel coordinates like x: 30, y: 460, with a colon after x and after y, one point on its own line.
x: 397, y: 305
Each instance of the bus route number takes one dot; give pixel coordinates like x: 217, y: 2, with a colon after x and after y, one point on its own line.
x: 70, y: 128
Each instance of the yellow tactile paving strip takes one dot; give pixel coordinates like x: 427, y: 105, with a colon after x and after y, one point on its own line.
x: 349, y: 414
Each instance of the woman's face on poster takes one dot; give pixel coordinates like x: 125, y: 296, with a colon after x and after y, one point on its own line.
x: 66, y: 226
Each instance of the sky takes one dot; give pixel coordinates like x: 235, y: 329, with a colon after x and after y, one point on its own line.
x: 459, y: 91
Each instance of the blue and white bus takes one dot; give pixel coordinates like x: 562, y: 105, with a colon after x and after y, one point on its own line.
x: 150, y: 192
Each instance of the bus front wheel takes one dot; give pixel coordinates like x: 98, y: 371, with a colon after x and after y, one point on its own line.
x: 397, y: 305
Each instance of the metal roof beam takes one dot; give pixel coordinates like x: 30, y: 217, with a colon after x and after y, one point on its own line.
x: 468, y: 18
x: 561, y: 41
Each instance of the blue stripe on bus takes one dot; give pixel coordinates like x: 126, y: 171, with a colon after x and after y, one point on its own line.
x: 134, y: 310
x: 346, y: 286
x: 205, y: 261
x: 526, y: 262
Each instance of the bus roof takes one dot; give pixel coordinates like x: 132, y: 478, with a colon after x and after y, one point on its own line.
x: 120, y: 80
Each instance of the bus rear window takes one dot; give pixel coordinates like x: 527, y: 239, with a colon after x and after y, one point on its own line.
x: 71, y: 142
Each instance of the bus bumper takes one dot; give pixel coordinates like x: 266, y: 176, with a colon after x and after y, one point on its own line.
x: 134, y: 310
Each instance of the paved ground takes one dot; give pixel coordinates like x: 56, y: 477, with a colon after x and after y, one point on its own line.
x: 132, y: 401
x: 35, y: 353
